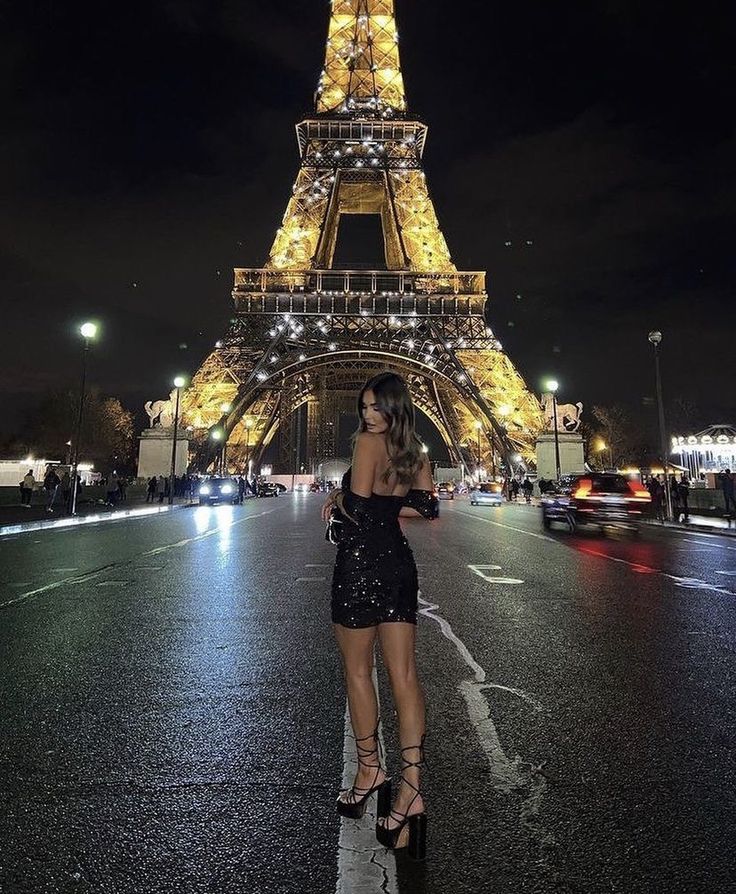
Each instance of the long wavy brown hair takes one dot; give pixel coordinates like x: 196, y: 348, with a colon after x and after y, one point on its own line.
x: 394, y: 403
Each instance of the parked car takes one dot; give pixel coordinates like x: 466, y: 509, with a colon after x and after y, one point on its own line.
x: 488, y: 494
x: 446, y: 492
x: 267, y: 489
x: 596, y: 499
x: 218, y: 490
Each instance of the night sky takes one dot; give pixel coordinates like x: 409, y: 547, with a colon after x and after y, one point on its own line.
x: 147, y: 148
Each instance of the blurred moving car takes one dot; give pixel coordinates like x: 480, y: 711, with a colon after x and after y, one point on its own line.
x: 445, y: 492
x: 597, y: 499
x: 218, y: 490
x: 487, y: 494
x: 268, y: 489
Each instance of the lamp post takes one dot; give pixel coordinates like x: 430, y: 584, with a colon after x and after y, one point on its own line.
x: 225, y: 409
x: 179, y: 383
x: 217, y: 435
x: 655, y: 339
x: 249, y: 423
x: 552, y: 387
x: 478, y: 429
x: 88, y: 331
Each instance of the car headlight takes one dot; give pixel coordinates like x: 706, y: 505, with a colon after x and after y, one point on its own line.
x: 226, y: 489
x: 205, y: 489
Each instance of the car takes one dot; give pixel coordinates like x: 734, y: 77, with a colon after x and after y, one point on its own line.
x: 488, y: 494
x: 218, y: 490
x: 596, y: 499
x: 445, y: 492
x: 282, y: 488
x: 267, y: 489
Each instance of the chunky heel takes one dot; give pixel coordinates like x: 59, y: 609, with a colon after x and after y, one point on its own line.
x: 418, y: 837
x: 384, y: 800
x: 410, y: 831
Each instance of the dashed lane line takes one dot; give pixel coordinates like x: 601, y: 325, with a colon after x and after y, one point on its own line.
x: 480, y: 570
x: 690, y: 583
x: 90, y: 575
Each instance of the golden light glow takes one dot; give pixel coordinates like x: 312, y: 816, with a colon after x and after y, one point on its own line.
x: 362, y: 68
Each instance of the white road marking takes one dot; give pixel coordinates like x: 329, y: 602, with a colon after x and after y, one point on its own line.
x: 507, y: 775
x: 310, y: 580
x: 63, y: 570
x: 113, y: 583
x: 510, y: 527
x: 481, y: 569
x: 363, y: 865
x: 727, y: 573
x: 318, y: 565
x: 710, y: 545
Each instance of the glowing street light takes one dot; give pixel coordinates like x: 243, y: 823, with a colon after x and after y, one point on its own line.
x: 552, y: 386
x: 179, y: 383
x: 88, y: 331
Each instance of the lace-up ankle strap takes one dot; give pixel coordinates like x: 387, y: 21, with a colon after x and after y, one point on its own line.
x: 364, y: 752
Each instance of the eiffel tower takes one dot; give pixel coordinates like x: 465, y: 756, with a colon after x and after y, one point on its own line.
x: 305, y: 332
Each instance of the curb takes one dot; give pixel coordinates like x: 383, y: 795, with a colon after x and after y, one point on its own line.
x: 93, y: 518
x: 707, y: 529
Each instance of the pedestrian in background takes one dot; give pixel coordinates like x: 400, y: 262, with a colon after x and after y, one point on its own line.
x: 375, y: 594
x: 241, y: 489
x: 528, y: 488
x: 122, y: 489
x: 152, y: 488
x: 51, y: 483
x: 727, y: 486
x: 66, y: 488
x: 656, y: 491
x: 27, y: 486
x: 683, y: 490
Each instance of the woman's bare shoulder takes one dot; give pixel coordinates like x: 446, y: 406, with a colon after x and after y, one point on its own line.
x: 369, y: 441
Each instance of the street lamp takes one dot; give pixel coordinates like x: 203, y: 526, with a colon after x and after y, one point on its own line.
x: 655, y: 339
x: 225, y: 408
x: 217, y: 435
x: 478, y: 429
x: 88, y: 331
x: 249, y: 423
x: 179, y: 383
x: 552, y: 387
x: 601, y: 446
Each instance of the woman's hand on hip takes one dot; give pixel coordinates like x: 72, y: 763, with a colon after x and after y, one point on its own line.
x: 329, y: 504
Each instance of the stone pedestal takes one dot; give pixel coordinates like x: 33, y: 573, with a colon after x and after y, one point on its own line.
x: 154, y: 453
x: 572, y: 454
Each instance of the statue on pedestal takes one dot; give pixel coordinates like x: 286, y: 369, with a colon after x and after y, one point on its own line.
x: 161, y: 412
x: 568, y: 415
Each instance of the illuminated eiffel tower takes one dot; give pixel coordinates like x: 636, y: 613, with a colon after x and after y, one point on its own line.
x: 307, y: 333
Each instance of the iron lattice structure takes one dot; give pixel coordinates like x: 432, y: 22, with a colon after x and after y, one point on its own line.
x: 307, y: 333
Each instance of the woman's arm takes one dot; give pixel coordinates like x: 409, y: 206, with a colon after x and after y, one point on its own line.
x: 423, y: 478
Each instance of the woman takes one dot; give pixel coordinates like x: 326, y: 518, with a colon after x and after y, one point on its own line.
x: 374, y: 592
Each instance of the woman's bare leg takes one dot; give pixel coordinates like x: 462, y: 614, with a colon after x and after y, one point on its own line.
x: 397, y: 645
x: 356, y: 648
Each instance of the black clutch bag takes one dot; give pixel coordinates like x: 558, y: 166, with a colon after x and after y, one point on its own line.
x: 334, y: 527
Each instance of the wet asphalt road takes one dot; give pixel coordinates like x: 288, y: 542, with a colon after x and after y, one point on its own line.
x: 173, y: 715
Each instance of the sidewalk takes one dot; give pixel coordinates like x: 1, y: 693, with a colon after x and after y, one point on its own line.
x: 16, y: 519
x: 710, y: 523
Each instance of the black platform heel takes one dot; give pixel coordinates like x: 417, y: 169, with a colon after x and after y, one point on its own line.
x: 411, y: 833
x: 354, y: 805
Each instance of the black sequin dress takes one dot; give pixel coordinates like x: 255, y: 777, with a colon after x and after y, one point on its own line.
x: 375, y: 577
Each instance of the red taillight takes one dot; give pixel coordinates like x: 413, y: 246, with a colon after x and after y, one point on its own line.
x: 585, y: 486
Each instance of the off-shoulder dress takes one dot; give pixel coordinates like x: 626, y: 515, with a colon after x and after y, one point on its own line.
x: 375, y: 578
